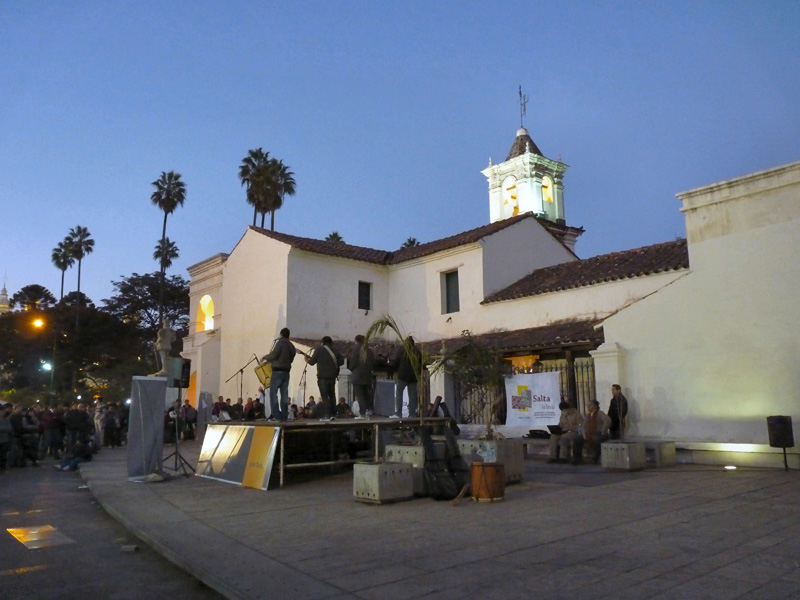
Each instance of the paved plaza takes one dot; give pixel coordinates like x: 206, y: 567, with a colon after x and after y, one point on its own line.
x: 566, y: 532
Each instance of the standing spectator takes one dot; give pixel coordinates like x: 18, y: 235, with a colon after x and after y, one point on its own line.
x: 280, y: 358
x: 26, y: 435
x: 110, y: 427
x: 328, y: 362
x: 78, y: 423
x: 6, y: 435
x: 51, y: 437
x: 617, y: 410
x: 99, y: 428
x: 361, y: 363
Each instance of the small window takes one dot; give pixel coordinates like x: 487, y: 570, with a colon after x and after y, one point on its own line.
x: 364, y: 295
x: 450, y: 299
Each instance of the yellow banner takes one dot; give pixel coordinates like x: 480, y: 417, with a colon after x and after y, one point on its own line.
x: 259, y: 459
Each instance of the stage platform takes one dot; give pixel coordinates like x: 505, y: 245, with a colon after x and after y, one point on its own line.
x: 293, y: 453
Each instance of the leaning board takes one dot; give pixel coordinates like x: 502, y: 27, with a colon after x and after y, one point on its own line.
x: 240, y: 454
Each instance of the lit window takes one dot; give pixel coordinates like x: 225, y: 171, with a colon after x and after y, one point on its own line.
x: 205, y: 314
x: 450, y: 300
x: 364, y: 295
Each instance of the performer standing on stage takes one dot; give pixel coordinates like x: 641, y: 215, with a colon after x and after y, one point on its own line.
x: 328, y: 362
x: 280, y: 358
x: 361, y: 363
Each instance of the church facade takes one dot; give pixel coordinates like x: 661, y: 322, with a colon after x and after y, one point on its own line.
x: 540, y: 301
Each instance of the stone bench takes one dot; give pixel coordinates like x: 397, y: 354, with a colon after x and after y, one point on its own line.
x: 663, y: 451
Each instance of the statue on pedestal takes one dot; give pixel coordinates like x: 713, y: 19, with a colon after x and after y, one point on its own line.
x: 164, y: 346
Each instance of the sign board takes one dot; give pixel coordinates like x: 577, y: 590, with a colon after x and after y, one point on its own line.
x: 533, y: 399
x: 240, y: 454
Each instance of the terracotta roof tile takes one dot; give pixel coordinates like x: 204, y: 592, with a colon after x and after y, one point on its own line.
x: 382, y: 257
x: 659, y: 258
x: 553, y: 336
x: 523, y: 143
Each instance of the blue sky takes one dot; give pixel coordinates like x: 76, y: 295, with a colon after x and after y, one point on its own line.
x: 385, y: 111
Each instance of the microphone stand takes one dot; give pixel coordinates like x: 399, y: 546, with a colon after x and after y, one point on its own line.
x: 240, y: 374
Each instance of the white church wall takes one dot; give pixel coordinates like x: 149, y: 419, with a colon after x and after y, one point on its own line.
x: 708, y: 358
x: 579, y: 304
x: 323, y: 295
x: 415, y: 289
x: 518, y: 250
x: 255, y: 308
x: 202, y: 347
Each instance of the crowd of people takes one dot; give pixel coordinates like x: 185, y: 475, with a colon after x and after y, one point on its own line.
x: 69, y: 434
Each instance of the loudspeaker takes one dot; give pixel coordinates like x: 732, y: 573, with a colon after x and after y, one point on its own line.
x: 186, y: 372
x: 179, y: 373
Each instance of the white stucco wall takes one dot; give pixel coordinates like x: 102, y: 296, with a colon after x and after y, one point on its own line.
x: 517, y: 251
x: 709, y: 357
x: 583, y: 304
x: 323, y: 295
x: 255, y: 301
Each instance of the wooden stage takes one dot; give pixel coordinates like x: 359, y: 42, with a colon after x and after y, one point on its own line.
x: 332, y: 428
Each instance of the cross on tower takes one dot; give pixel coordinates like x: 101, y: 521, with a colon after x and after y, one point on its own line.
x: 523, y: 106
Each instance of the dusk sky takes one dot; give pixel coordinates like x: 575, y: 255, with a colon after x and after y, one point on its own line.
x: 386, y: 112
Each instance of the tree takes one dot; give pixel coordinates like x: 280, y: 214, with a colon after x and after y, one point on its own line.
x: 252, y: 175
x: 284, y: 186
x: 80, y: 244
x: 170, y: 194
x: 410, y: 243
x: 63, y: 260
x: 135, y: 301
x: 33, y: 297
x: 75, y: 361
x: 165, y: 252
x: 335, y: 238
x: 268, y: 182
x: 77, y: 299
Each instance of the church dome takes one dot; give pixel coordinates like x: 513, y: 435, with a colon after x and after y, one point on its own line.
x: 522, y: 145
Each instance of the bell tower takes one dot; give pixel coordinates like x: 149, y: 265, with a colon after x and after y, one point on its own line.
x: 526, y: 182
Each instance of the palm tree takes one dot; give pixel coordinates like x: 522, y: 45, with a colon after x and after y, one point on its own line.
x: 252, y: 174
x: 335, y: 238
x: 80, y: 244
x: 63, y: 260
x: 170, y: 194
x: 284, y: 186
x: 165, y: 252
x: 410, y: 243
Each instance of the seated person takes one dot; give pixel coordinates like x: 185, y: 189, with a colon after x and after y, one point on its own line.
x: 293, y: 413
x: 596, y: 424
x: 258, y: 410
x: 571, y: 424
x: 78, y: 453
x: 342, y: 408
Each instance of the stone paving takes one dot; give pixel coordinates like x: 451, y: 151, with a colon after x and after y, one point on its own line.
x: 566, y: 532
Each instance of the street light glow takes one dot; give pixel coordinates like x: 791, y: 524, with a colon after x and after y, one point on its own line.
x: 38, y: 323
x: 47, y: 366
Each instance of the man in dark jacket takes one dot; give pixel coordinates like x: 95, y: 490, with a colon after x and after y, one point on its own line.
x: 406, y: 360
x: 328, y: 362
x: 361, y: 364
x: 280, y: 359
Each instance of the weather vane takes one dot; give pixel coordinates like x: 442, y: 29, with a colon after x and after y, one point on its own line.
x: 523, y: 106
